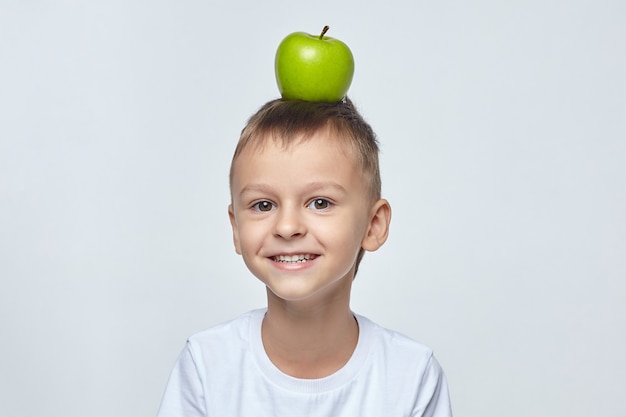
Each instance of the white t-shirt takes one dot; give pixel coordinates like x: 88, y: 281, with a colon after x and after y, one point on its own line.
x: 225, y: 372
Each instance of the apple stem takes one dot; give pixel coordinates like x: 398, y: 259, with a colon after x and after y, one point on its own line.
x: 324, y: 31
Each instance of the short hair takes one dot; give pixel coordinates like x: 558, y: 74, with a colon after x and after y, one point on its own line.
x: 287, y: 121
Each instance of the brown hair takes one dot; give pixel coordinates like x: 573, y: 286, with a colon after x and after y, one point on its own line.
x: 287, y: 121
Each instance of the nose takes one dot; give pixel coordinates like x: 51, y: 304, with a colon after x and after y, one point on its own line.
x: 289, y: 223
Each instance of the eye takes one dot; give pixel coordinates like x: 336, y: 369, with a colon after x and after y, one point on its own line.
x: 319, y: 204
x: 263, y: 206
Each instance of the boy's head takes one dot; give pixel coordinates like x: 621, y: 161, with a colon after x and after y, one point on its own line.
x: 290, y: 121
x: 290, y: 125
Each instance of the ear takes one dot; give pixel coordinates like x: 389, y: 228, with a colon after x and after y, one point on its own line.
x: 233, y: 224
x: 378, y: 228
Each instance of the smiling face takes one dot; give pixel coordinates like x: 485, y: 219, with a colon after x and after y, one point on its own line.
x: 300, y: 214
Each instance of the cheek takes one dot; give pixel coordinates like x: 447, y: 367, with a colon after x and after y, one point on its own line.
x: 342, y: 234
x: 250, y: 235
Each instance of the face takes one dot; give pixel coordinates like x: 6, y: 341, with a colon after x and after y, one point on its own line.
x: 300, y: 215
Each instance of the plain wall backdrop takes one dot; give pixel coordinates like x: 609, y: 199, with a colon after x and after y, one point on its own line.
x: 503, y: 133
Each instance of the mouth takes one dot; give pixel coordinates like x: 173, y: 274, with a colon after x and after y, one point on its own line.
x: 293, y: 259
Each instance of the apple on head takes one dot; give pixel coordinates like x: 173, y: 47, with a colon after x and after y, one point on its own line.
x: 313, y: 68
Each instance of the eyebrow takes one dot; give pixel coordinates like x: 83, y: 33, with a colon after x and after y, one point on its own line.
x: 310, y: 187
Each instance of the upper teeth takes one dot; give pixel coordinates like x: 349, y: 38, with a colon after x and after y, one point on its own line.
x: 294, y: 258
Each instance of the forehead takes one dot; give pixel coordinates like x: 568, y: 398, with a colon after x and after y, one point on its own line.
x: 323, y: 142
x: 319, y: 157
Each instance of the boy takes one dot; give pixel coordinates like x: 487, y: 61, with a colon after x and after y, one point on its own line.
x: 305, y: 205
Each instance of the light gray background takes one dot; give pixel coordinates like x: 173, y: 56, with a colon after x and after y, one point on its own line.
x: 503, y: 130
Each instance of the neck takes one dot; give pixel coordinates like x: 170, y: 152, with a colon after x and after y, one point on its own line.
x: 309, y: 341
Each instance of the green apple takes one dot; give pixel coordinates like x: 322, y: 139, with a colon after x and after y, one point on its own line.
x: 313, y: 68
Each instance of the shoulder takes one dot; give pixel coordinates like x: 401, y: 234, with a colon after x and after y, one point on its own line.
x: 401, y: 356
x: 222, y: 338
x: 389, y: 340
x: 410, y: 368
